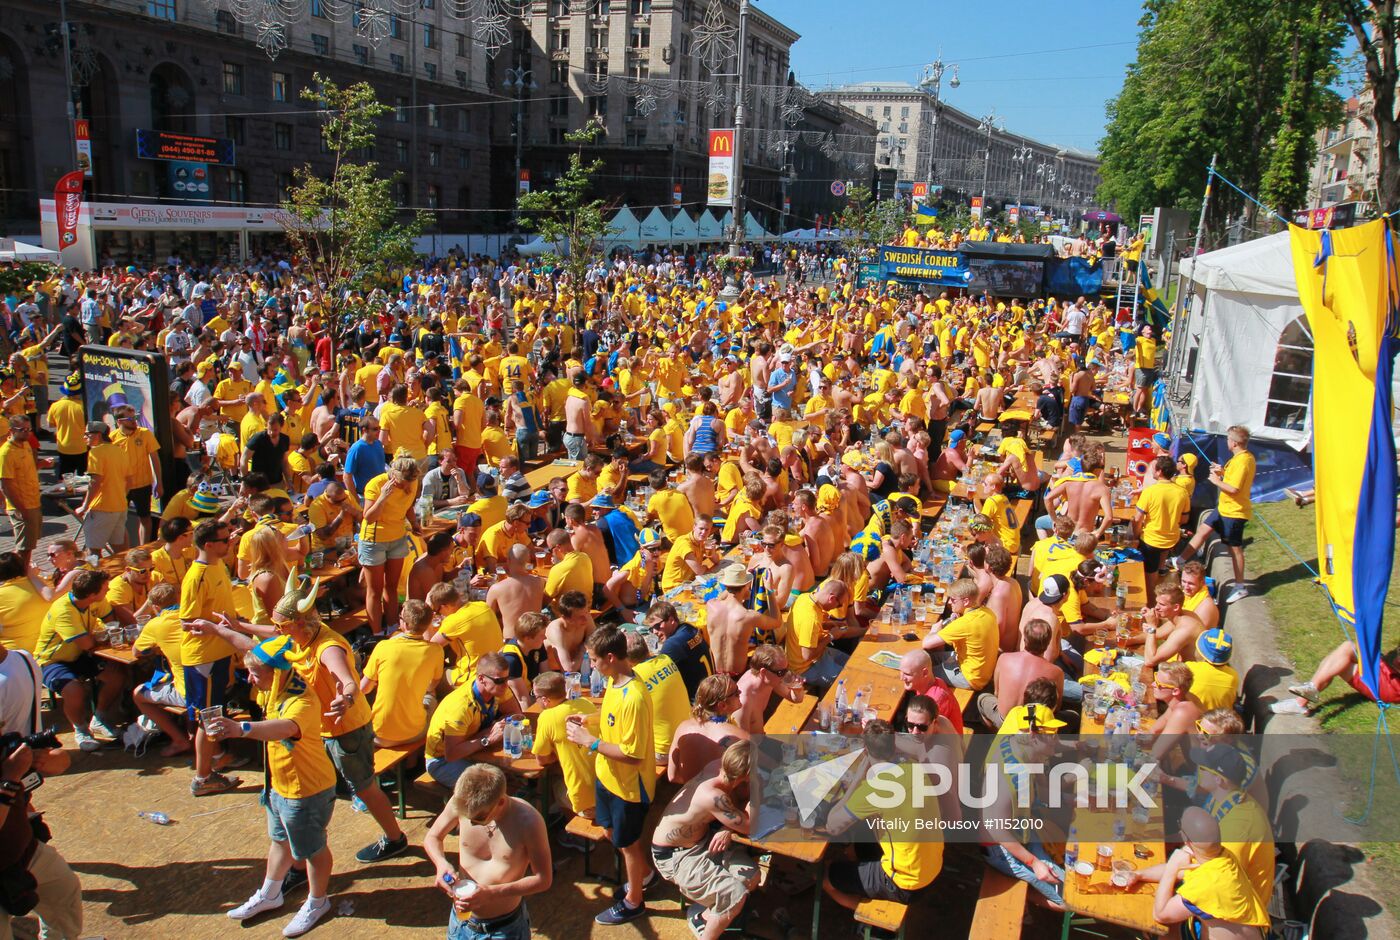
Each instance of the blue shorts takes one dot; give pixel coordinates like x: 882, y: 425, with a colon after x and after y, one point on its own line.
x: 58, y: 675
x: 622, y: 818
x: 302, y: 823
x: 1231, y: 530
x: 206, y: 685
x: 1078, y: 405
x: 512, y: 926
x: 374, y: 554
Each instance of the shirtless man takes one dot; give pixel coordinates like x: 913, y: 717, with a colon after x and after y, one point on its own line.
x: 699, y: 483
x: 1081, y: 396
x: 1005, y: 598
x: 565, y: 634
x: 893, y: 563
x: 1172, y: 688
x: 759, y: 371
x: 952, y: 460
x: 855, y: 497
x: 519, y: 591
x: 904, y: 461
x: 1046, y: 605
x: 1017, y: 669
x: 503, y: 847
x: 938, y: 400
x: 816, y: 533
x: 766, y: 676
x: 579, y: 432
x: 988, y: 403
x: 703, y: 736
x: 731, y: 624
x: 431, y: 566
x: 707, y: 869
x: 775, y: 556
x: 1027, y: 470
x: 323, y: 423
x: 731, y: 384
x: 585, y: 537
x: 1168, y: 630
x: 1089, y: 502
x: 1197, y: 597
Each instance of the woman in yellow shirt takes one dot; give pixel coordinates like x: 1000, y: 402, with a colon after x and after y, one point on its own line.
x: 384, y: 542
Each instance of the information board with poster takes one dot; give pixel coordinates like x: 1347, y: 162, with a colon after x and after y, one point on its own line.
x: 113, y: 377
x: 1139, y: 452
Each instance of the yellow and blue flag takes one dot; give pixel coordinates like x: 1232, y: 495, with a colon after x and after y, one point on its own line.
x: 1157, y: 313
x: 1347, y: 282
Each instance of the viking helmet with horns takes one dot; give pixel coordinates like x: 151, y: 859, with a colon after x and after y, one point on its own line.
x: 298, y: 598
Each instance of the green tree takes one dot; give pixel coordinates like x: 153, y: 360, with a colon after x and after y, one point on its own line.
x: 566, y: 217
x: 1246, y: 79
x: 343, y: 225
x: 866, y: 221
x: 1373, y: 25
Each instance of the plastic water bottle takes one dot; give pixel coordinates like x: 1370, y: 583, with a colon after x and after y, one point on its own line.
x: 858, y: 706
x: 841, y: 697
x: 527, y: 736
x: 597, y: 683
x: 1072, y: 849
x: 585, y: 671
x: 512, y: 738
x: 157, y: 817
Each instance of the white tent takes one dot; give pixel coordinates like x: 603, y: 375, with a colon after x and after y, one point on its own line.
x: 655, y: 227
x: 12, y: 250
x: 683, y: 228
x: 1242, y: 351
x: 622, y: 229
x: 751, y: 227
x: 708, y: 227
x: 539, y: 246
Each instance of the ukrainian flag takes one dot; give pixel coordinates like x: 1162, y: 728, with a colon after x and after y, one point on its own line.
x: 1347, y: 282
x: 1157, y: 313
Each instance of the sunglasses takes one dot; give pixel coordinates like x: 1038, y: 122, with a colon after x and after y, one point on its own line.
x: 780, y: 673
x: 149, y: 570
x: 494, y: 680
x: 917, y: 725
x: 1167, y: 685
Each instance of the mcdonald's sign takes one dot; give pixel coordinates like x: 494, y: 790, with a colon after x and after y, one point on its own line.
x: 721, y: 180
x: 920, y: 190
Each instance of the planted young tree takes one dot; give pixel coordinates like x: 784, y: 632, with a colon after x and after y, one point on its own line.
x: 866, y: 221
x: 564, y: 215
x: 343, y: 225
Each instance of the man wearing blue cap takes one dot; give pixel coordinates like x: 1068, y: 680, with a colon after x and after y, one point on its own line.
x: 951, y: 462
x: 1213, y: 680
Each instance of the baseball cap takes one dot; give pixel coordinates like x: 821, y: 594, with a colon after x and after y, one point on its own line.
x: 539, y: 499
x: 602, y: 501
x: 97, y: 427
x: 1222, y: 759
x: 1054, y: 589
x: 486, y: 483
x: 468, y: 520
x: 1215, y: 646
x: 73, y: 385
x: 956, y: 436
x: 1161, y: 440
x: 1025, y: 718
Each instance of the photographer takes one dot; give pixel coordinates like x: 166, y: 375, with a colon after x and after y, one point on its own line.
x: 33, y: 876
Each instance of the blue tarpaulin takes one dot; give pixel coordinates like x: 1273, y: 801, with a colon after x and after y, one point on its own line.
x: 1069, y: 277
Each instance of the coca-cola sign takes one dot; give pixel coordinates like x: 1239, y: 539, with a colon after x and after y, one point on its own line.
x: 68, y: 202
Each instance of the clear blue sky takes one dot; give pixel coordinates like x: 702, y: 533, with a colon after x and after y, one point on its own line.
x: 1025, y: 58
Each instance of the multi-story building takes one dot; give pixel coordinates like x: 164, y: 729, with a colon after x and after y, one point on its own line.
x: 1346, y: 166
x: 830, y: 143
x: 638, y: 67
x: 195, y: 68
x: 926, y: 140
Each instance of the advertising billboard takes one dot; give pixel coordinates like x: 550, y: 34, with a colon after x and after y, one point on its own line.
x: 721, y: 179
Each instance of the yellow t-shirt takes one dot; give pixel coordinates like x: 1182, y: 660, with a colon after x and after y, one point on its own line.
x: 164, y: 632
x: 1008, y: 531
x: 741, y: 507
x: 731, y: 479
x: 805, y: 620
x: 673, y: 509
x: 1222, y: 889
x: 670, y: 703
x: 17, y: 465
x: 1215, y: 686
x: 403, y: 428
x: 121, y: 592
x: 573, y: 573
x: 910, y: 864
x: 22, y: 613
x: 469, y: 429
x: 442, y: 428
x: 1163, y: 504
x: 233, y: 388
x: 626, y: 721
x: 205, y: 592
x: 576, y: 763
x: 306, y: 660
x: 367, y: 378
x: 975, y: 638
x: 404, y: 668
x: 582, y: 488
x: 491, y: 510
x: 63, y: 625
x: 460, y: 715
x: 472, y: 631
x: 1239, y: 473
x: 66, y: 418
x: 495, y: 543
x: 675, y: 571
x: 298, y: 768
x: 392, y: 523
x: 108, y: 462
x: 139, y: 448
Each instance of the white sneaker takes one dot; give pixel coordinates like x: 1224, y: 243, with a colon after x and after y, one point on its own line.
x: 1289, y: 706
x: 1238, y: 592
x: 85, y: 741
x: 100, y: 729
x: 306, y: 918
x: 258, y: 903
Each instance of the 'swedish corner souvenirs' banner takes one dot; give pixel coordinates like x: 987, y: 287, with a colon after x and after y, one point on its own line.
x: 721, y: 178
x: 68, y: 204
x: 1347, y: 281
x: 925, y: 265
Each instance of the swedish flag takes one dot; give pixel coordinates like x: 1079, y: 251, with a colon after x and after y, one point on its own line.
x: 760, y: 600
x: 1157, y: 313
x: 867, y: 544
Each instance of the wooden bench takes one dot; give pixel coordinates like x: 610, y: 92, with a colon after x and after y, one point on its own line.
x: 394, y: 758
x: 1001, y: 907
x: 591, y: 832
x: 887, y: 916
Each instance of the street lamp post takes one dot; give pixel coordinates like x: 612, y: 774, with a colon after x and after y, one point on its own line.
x: 1022, y: 155
x: 676, y: 121
x: 521, y: 80
x: 932, y: 81
x: 988, y: 123
x: 740, y: 114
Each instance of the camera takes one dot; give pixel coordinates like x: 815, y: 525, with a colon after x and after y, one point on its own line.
x: 38, y: 741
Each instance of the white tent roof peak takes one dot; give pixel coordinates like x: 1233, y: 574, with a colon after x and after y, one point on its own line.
x: 1262, y: 266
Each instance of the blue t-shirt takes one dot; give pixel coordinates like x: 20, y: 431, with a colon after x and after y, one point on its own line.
x: 365, y: 462
x: 781, y: 381
x: 691, y: 654
x: 620, y: 536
